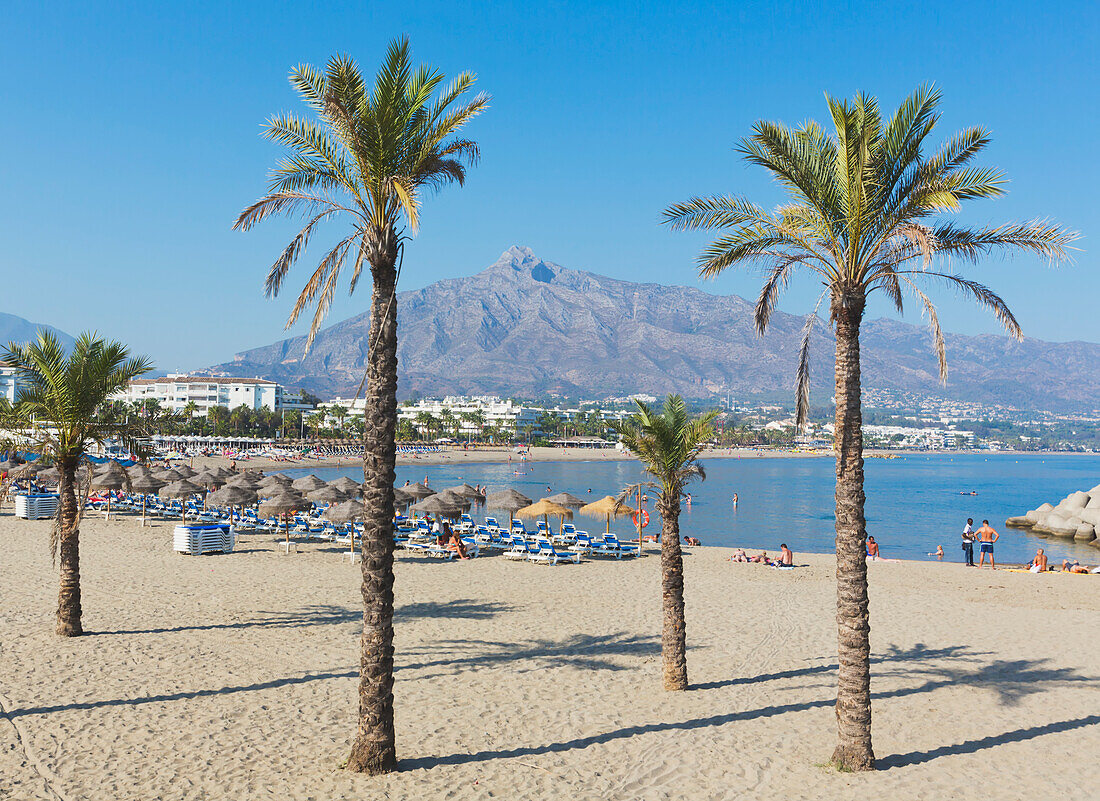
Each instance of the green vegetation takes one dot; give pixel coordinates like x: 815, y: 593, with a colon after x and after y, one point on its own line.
x: 860, y: 218
x: 62, y: 402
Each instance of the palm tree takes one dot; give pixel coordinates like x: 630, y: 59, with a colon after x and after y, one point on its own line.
x: 63, y: 401
x: 863, y: 215
x: 367, y: 157
x: 668, y: 445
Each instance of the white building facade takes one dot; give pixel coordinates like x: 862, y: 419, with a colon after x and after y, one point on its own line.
x: 9, y: 384
x: 177, y: 390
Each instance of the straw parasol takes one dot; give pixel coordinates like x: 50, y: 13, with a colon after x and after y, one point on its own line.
x: 170, y: 474
x: 348, y: 486
x: 326, y: 494
x: 232, y: 496
x: 346, y: 512
x: 281, y: 506
x: 182, y: 489
x: 272, y: 485
x: 401, y: 498
x: 207, y: 478
x: 112, y: 478
x: 452, y: 497
x: 418, y: 491
x: 185, y: 471
x: 567, y: 500
x: 144, y: 482
x: 606, y: 507
x: 435, y: 505
x: 465, y: 491
x: 223, y: 472
x: 49, y: 475
x: 543, y: 509
x: 308, y: 483
x: 249, y: 480
x: 508, y: 500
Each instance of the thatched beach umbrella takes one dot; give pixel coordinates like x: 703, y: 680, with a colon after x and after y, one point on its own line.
x: 182, y: 489
x: 249, y: 480
x: 326, y: 494
x: 348, y: 486
x: 282, y: 505
x: 230, y: 497
x: 452, y: 497
x: 571, y: 502
x: 347, y: 512
x: 49, y: 475
x: 402, y: 498
x: 170, y: 474
x: 207, y: 478
x: 185, y: 471
x: 418, y: 491
x: 606, y: 507
x: 465, y: 491
x: 144, y: 482
x: 274, y: 484
x: 308, y: 483
x: 543, y: 509
x: 223, y: 472
x: 113, y: 478
x: 508, y: 500
x: 435, y: 505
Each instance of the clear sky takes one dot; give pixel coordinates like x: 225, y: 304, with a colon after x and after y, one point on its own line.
x: 130, y: 136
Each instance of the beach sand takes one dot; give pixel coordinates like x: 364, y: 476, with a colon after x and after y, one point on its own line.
x: 234, y: 677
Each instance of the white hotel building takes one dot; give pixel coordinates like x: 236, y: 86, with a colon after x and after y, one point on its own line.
x: 177, y: 390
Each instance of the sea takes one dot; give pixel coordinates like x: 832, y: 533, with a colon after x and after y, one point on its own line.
x: 914, y: 502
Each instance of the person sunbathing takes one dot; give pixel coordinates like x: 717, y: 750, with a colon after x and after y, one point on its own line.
x: 457, y: 546
x: 1039, y: 563
x: 1073, y: 566
x: 786, y: 556
x: 739, y: 556
x: 762, y: 559
x: 692, y: 541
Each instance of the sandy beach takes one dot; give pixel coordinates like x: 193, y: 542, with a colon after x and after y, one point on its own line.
x: 233, y: 676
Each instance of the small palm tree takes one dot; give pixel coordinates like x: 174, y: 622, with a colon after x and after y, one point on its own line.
x: 368, y: 158
x: 668, y: 445
x: 63, y: 402
x: 862, y: 217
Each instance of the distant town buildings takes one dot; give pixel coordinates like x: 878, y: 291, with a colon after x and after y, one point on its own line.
x: 8, y: 382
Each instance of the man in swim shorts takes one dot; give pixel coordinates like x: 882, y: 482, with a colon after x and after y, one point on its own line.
x: 786, y: 558
x: 986, y: 537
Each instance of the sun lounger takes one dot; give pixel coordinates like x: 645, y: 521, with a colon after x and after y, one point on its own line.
x: 544, y: 553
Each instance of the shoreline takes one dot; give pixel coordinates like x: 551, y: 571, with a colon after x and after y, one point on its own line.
x: 546, y: 454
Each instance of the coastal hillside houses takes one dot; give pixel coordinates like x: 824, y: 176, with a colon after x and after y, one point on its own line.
x: 176, y: 390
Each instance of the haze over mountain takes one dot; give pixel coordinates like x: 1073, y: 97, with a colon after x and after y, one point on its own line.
x: 526, y: 326
x: 17, y: 329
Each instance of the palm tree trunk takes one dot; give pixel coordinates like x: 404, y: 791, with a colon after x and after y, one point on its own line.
x: 68, y: 596
x: 374, y: 750
x: 674, y: 627
x: 853, y: 697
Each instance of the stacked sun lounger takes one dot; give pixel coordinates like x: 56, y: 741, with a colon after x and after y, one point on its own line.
x: 36, y: 505
x: 199, y: 539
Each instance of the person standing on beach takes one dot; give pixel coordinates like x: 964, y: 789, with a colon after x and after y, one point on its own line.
x: 987, y: 537
x: 968, y: 541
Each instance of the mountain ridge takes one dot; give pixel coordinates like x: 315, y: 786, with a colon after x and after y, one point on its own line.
x: 526, y: 326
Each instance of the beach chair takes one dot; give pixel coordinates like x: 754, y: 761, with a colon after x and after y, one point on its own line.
x: 445, y: 554
x: 492, y: 524
x: 612, y: 544
x: 544, y: 553
x: 519, y: 549
x: 582, y: 543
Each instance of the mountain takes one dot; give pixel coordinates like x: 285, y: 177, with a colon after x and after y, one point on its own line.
x: 16, y: 329
x: 526, y: 326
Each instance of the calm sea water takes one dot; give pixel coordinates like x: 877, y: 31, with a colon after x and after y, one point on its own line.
x: 913, y: 502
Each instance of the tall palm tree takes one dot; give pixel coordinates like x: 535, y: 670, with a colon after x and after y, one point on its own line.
x: 668, y: 445
x: 864, y: 215
x: 367, y: 158
x: 63, y: 401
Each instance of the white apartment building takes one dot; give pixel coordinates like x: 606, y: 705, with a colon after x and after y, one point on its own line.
x: 496, y: 412
x: 177, y: 390
x: 8, y: 382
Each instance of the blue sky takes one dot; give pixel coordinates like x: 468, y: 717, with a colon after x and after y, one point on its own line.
x: 131, y: 140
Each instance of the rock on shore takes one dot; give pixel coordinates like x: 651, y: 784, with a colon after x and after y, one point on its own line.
x: 1077, y: 517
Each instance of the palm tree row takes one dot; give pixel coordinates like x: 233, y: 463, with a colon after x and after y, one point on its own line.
x: 863, y: 216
